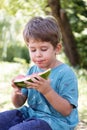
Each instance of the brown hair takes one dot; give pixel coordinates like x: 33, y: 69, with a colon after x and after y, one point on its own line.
x: 44, y: 29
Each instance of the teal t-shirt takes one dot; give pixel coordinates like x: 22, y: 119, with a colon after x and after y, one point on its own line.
x: 64, y: 82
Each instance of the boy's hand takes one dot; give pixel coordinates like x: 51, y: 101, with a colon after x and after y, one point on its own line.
x: 18, y: 99
x: 15, y: 87
x: 40, y: 84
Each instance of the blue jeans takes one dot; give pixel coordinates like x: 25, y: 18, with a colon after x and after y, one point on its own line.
x: 13, y: 120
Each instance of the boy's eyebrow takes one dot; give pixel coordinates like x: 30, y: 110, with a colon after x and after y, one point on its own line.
x: 39, y: 46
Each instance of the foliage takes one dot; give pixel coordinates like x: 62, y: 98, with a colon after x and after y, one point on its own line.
x: 14, y: 15
x: 16, y: 53
x: 77, y: 14
x: 10, y: 34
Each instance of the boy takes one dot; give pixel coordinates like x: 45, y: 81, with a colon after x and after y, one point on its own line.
x: 52, y: 103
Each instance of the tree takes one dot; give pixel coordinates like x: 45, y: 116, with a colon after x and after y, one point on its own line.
x: 72, y: 18
x: 68, y: 38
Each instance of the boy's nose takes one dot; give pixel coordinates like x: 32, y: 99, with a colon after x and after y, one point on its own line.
x: 38, y: 53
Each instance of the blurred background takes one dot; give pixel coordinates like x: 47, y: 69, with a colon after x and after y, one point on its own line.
x: 71, y: 16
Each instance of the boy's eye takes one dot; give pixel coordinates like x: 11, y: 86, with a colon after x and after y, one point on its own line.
x: 33, y: 50
x: 44, y: 49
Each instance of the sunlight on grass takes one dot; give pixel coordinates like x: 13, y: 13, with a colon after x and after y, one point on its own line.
x: 83, y: 99
x: 8, y: 71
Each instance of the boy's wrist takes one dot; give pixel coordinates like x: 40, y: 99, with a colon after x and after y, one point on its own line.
x: 47, y: 92
x: 16, y: 91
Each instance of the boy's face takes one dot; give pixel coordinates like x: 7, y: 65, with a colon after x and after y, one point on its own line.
x: 42, y: 54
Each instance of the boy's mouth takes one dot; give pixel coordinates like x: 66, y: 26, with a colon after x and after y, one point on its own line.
x: 40, y: 61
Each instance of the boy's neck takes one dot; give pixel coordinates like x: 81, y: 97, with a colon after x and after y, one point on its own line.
x: 57, y: 63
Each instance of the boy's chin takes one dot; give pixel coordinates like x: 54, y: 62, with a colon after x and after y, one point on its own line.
x: 43, y: 67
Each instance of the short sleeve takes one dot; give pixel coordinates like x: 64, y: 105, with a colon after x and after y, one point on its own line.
x: 69, y: 88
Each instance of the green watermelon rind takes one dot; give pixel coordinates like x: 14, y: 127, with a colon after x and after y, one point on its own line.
x: 20, y: 83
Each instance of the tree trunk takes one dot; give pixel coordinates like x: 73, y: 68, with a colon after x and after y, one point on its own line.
x: 69, y: 42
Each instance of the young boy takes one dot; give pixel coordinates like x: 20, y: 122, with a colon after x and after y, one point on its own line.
x: 52, y: 103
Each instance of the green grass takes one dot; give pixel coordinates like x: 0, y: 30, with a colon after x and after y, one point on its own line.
x: 9, y: 70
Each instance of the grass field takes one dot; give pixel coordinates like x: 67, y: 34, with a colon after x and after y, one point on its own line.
x: 9, y: 70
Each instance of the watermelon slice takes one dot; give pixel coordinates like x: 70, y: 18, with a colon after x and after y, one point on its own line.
x: 20, y: 81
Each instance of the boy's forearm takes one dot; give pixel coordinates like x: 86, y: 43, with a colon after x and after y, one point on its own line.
x: 18, y: 99
x: 60, y: 104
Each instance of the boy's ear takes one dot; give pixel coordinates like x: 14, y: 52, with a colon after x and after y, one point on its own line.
x: 58, y: 48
